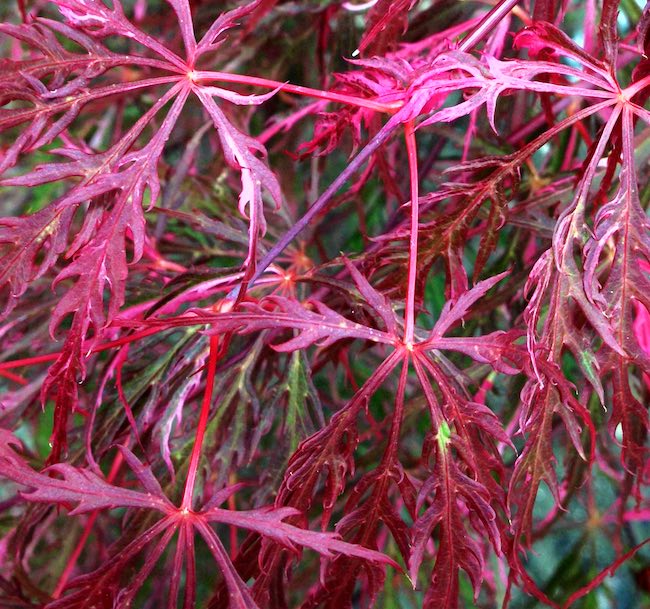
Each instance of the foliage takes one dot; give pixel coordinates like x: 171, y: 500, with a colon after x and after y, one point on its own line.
x: 379, y: 338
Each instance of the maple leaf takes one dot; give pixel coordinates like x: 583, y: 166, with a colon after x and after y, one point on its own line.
x: 447, y: 233
x: 239, y: 150
x: 367, y: 508
x: 99, y: 262
x: 101, y: 174
x: 623, y: 220
x: 322, y: 326
x: 536, y: 463
x: 622, y: 217
x: 104, y: 588
x: 117, y: 179
x: 334, y: 447
x: 269, y: 523
x: 557, y: 274
x: 81, y: 487
x: 89, y: 491
x: 330, y: 449
x: 455, y: 548
x: 54, y: 107
x: 466, y: 478
x: 361, y: 523
x: 23, y: 240
x: 119, y: 109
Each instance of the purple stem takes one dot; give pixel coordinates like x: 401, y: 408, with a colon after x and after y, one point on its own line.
x: 384, y: 133
x: 481, y: 30
x: 487, y: 24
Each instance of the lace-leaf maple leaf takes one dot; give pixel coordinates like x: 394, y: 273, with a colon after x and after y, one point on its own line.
x: 375, y: 300
x: 323, y: 326
x: 106, y: 586
x: 90, y: 492
x: 239, y: 150
x: 370, y: 506
x: 100, y: 21
x: 78, y: 486
x: 210, y: 343
x: 623, y: 223
x: 269, y: 523
x: 334, y: 447
x: 329, y: 450
x: 61, y: 83
x: 23, y: 239
x: 98, y: 263
x: 536, y: 463
x: 54, y: 107
x: 214, y: 38
x: 317, y: 323
x: 461, y: 473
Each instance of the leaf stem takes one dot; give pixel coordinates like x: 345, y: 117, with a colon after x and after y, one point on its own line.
x: 487, y: 24
x: 213, y: 358
x: 350, y: 100
x: 16, y: 378
x: 50, y: 357
x: 411, y: 149
x: 319, y: 205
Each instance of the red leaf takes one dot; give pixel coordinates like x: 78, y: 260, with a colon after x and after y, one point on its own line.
x: 77, y: 486
x: 23, y: 239
x: 239, y: 150
x: 322, y: 327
